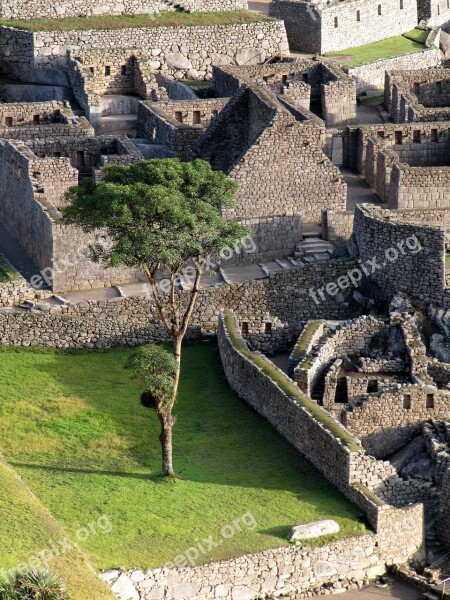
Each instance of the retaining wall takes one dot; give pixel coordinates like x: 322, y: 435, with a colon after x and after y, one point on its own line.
x: 182, y: 52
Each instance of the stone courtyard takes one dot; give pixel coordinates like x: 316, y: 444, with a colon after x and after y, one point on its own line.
x: 334, y: 325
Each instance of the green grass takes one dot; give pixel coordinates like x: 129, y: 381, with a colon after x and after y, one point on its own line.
x: 25, y: 530
x: 417, y: 35
x: 290, y: 388
x: 305, y: 338
x: 7, y: 271
x: 72, y: 426
x: 169, y: 19
x: 403, y: 44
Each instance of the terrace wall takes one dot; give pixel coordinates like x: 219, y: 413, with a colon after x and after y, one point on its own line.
x: 181, y: 52
x: 38, y: 9
x: 281, y: 570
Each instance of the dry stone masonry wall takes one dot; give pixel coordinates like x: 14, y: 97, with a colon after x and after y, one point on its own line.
x: 182, y: 52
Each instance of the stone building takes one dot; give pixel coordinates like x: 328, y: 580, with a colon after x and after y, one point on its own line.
x: 327, y: 26
x: 299, y: 84
x: 34, y: 177
x: 418, y: 95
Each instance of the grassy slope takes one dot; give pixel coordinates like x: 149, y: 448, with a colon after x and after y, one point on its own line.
x: 72, y: 426
x: 169, y: 19
x: 7, y: 271
x: 25, y: 530
x: 403, y: 44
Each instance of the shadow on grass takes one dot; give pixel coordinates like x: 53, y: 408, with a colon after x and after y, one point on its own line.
x: 218, y: 439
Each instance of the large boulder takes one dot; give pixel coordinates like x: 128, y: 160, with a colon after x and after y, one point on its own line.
x: 175, y: 60
x: 250, y: 56
x: 313, y: 530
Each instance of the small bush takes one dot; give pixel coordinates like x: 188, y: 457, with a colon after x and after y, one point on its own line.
x: 34, y: 585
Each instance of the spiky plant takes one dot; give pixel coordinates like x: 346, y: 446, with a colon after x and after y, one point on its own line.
x: 39, y: 585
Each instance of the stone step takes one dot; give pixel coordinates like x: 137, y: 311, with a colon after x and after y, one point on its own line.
x: 283, y: 263
x: 118, y: 124
x: 311, y: 234
x: 315, y: 250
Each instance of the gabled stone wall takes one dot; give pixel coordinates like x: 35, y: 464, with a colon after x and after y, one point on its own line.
x: 276, y: 160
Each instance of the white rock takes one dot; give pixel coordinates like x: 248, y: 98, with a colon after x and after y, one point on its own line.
x: 124, y: 589
x: 313, y: 530
x: 250, y: 56
x: 176, y: 60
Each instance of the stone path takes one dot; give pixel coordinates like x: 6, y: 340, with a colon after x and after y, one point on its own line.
x: 399, y: 590
x: 262, y: 6
x: 358, y: 190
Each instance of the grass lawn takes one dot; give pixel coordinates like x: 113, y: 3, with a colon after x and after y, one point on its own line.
x: 408, y: 43
x: 7, y: 272
x: 168, y: 19
x: 72, y: 426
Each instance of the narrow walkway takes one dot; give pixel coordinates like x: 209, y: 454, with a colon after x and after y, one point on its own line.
x: 13, y: 251
x: 400, y: 590
x: 358, y: 190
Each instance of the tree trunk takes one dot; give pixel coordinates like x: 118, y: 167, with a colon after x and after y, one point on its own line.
x: 165, y: 438
x: 167, y: 420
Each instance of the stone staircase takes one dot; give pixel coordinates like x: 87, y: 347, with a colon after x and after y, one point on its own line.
x: 313, y: 248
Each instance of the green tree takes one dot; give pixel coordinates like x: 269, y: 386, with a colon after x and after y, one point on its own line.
x: 157, y: 367
x: 162, y: 216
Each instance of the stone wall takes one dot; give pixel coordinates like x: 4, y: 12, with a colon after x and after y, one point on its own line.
x: 327, y: 27
x: 425, y: 187
x: 444, y: 520
x: 314, y: 436
x: 14, y: 292
x: 274, y: 237
x: 350, y: 337
x: 28, y: 120
x: 23, y: 9
x: 288, y: 570
x: 337, y: 226
x: 178, y: 124
x: 387, y: 421
x: 284, y: 295
x: 417, y: 95
x: 117, y: 71
x: 421, y: 274
x: 297, y: 83
x: 182, y: 52
x: 371, y: 76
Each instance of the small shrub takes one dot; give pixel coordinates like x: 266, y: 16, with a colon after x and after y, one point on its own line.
x: 34, y: 585
x: 148, y: 399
